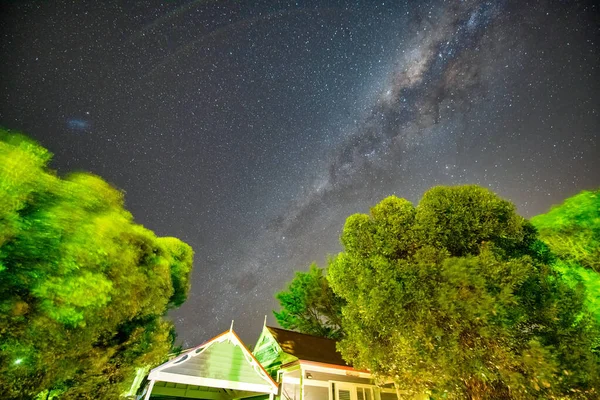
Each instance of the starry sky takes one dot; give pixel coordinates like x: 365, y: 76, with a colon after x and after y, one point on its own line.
x: 251, y: 130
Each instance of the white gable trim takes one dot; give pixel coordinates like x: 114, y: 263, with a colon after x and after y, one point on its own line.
x: 158, y: 373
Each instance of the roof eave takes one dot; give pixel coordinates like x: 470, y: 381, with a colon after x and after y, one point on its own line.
x: 331, y: 368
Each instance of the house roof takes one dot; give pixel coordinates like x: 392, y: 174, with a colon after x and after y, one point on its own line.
x: 223, y: 364
x: 307, y: 347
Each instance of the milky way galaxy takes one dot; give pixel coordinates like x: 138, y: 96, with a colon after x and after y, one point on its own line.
x: 439, y: 75
x: 251, y: 130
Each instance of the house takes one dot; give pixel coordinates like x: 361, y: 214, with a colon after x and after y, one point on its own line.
x: 285, y: 365
x: 310, y: 368
x: 222, y: 368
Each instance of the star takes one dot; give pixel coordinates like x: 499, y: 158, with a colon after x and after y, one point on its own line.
x: 251, y: 130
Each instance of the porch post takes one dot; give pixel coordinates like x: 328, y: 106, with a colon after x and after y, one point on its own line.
x: 150, y: 387
x: 301, y: 383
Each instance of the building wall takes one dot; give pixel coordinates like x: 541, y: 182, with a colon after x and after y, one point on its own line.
x: 319, y: 385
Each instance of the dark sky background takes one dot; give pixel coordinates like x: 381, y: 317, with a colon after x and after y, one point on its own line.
x: 251, y: 130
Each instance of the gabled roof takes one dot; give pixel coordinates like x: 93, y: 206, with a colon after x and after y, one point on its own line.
x: 223, y: 363
x: 307, y: 347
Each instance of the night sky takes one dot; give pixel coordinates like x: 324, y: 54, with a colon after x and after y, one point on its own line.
x: 251, y: 130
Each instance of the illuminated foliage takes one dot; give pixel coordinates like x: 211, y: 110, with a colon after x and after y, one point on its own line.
x: 456, y: 298
x: 82, y: 288
x: 572, y: 231
x: 308, y: 305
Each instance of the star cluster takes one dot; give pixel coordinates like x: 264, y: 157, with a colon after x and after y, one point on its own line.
x: 251, y: 130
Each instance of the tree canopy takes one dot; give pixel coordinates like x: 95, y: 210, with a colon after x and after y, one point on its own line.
x: 456, y: 298
x: 308, y: 305
x: 572, y: 231
x: 83, y: 289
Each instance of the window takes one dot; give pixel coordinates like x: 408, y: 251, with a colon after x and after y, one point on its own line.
x: 364, y: 393
x: 349, y: 391
x: 343, y: 391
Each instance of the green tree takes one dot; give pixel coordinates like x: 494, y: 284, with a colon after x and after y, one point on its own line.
x: 572, y: 231
x: 308, y: 305
x: 455, y: 298
x: 83, y: 289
